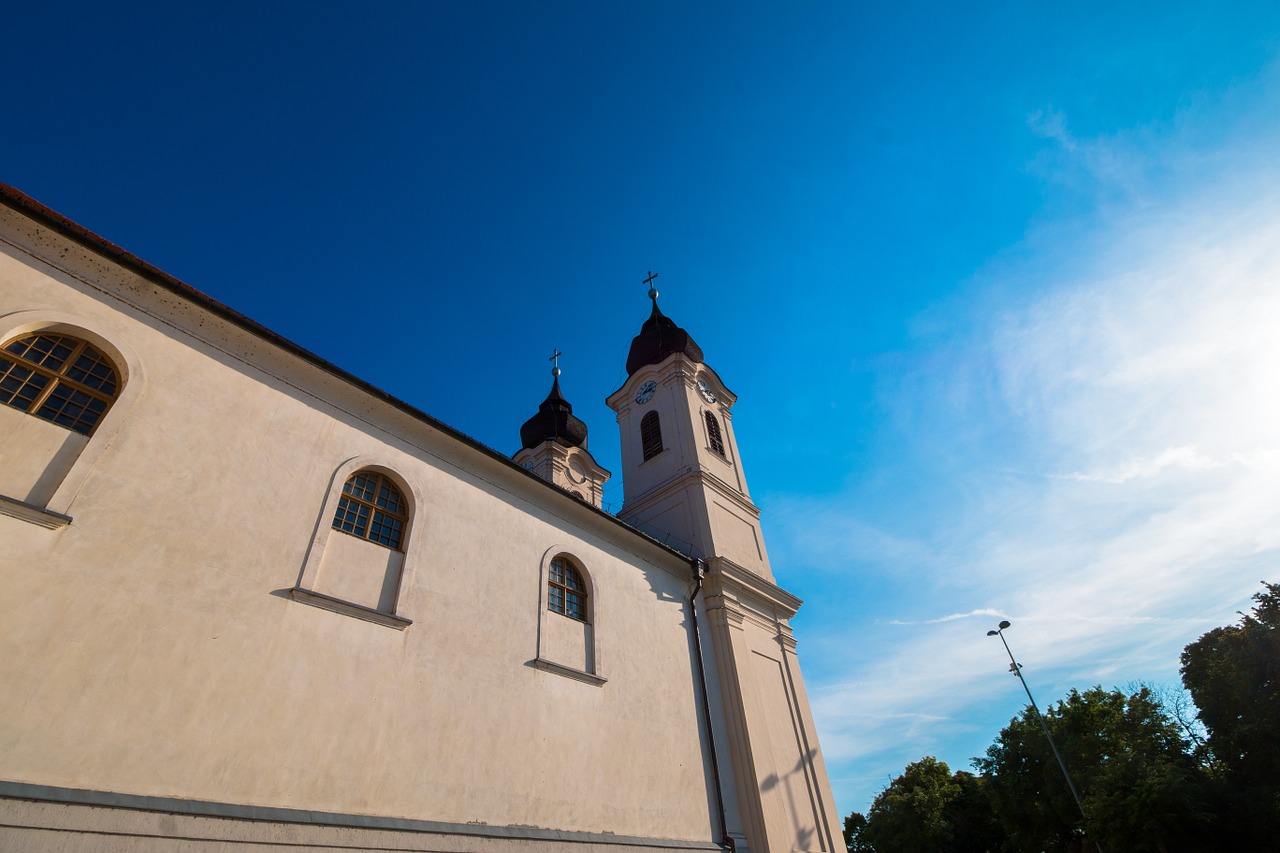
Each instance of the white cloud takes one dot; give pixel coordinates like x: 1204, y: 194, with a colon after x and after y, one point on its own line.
x: 1051, y: 124
x: 951, y: 617
x: 1174, y: 457
x: 1139, y: 384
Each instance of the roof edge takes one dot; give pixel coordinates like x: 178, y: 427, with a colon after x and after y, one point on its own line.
x: 17, y: 200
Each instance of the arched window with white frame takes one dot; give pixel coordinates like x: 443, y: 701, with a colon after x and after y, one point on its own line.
x: 566, y: 593
x: 59, y: 378
x: 568, y: 633
x: 372, y: 507
x: 63, y: 391
x: 364, y: 546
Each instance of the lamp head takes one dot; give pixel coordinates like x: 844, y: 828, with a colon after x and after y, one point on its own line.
x: 1004, y: 624
x: 993, y: 633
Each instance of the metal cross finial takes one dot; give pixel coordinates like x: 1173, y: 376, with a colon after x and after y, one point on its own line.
x: 653, y: 291
x: 555, y: 362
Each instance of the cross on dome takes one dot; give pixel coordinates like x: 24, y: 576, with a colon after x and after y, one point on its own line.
x: 653, y: 291
x: 659, y: 337
x: 554, y: 420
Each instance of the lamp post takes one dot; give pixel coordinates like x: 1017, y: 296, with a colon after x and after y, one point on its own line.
x: 1016, y: 669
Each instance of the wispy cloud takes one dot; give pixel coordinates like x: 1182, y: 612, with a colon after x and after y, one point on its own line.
x: 1187, y: 458
x: 950, y: 617
x: 1051, y: 124
x: 1141, y: 372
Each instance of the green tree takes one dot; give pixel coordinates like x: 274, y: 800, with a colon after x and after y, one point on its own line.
x: 1233, y: 674
x: 927, y: 808
x: 855, y: 839
x: 1141, y: 787
x: 974, y: 828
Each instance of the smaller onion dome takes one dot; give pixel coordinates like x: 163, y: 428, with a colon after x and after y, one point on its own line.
x: 660, y: 337
x: 554, y: 422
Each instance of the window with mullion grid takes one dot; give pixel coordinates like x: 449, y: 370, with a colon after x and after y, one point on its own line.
x: 372, y: 507
x: 58, y: 378
x: 566, y: 593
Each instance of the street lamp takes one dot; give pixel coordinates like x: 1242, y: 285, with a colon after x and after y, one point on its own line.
x: 1016, y: 669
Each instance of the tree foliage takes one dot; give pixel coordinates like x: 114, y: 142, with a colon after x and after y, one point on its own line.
x: 1152, y: 772
x: 1133, y: 769
x: 927, y: 808
x: 855, y: 839
x: 1233, y: 674
x: 908, y: 814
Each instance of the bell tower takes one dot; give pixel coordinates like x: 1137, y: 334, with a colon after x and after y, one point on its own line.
x: 683, y: 484
x: 683, y: 481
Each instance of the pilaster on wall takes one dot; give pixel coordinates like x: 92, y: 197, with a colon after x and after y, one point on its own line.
x: 778, y: 771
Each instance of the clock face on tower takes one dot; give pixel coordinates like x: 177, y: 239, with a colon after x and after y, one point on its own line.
x: 646, y: 392
x: 705, y: 390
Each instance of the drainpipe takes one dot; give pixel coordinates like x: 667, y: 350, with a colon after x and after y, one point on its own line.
x: 700, y: 572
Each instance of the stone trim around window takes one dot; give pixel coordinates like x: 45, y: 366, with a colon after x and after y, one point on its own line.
x: 33, y: 514
x: 64, y: 485
x: 569, y: 672
x: 409, y: 553
x: 348, y: 608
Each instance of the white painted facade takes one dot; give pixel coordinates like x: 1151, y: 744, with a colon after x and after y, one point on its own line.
x: 194, y: 658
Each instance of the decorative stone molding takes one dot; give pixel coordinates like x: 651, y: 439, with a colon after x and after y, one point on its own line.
x: 750, y: 590
x: 569, y: 672
x: 347, y: 608
x: 33, y: 514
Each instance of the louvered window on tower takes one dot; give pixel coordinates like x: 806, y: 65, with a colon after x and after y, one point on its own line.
x: 713, y: 434
x: 650, y: 435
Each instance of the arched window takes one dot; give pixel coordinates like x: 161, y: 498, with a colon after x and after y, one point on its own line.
x: 650, y: 436
x: 372, y: 508
x: 713, y: 434
x: 59, y: 378
x: 566, y: 593
x: 362, y: 573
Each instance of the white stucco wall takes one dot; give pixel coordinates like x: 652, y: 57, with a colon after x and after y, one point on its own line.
x: 150, y: 646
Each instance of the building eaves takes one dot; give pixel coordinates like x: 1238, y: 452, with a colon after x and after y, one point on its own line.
x: 73, y: 231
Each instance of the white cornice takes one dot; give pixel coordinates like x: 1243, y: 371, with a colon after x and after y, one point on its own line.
x: 679, y: 481
x: 750, y: 589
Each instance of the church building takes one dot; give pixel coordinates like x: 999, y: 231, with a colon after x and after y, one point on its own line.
x: 251, y: 602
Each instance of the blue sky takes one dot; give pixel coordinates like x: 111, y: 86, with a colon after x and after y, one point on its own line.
x: 997, y: 288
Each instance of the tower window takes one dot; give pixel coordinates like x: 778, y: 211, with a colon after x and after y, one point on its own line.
x: 650, y: 436
x: 566, y: 593
x: 58, y: 378
x: 372, y: 508
x: 713, y: 434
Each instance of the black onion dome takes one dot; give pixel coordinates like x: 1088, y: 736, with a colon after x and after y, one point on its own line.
x: 554, y: 422
x: 660, y: 337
